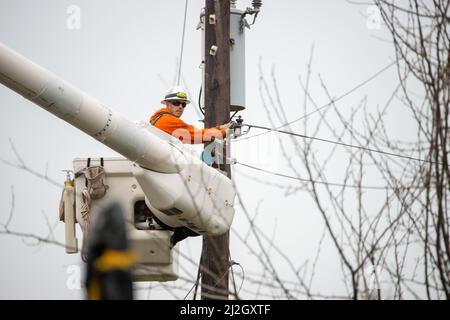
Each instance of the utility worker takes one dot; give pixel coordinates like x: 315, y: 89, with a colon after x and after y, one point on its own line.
x: 168, y: 120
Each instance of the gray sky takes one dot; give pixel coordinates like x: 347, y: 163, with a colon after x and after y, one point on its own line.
x: 124, y: 55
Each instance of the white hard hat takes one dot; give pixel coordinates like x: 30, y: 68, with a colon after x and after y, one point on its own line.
x: 176, y: 93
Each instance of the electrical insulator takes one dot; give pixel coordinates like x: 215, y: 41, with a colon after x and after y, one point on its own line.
x: 257, y: 4
x: 238, y: 127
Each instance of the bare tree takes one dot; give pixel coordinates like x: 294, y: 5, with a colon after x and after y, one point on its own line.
x: 404, y: 237
x: 421, y: 36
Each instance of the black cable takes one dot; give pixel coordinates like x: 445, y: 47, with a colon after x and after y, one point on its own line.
x: 200, y: 100
x: 340, y: 143
x: 331, y: 102
x: 323, y: 182
x: 234, y: 263
x: 196, y: 282
x: 199, y: 274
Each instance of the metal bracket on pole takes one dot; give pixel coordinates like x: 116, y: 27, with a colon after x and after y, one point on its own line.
x: 213, y: 50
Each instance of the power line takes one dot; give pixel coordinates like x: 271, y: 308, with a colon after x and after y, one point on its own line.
x: 322, y: 182
x: 341, y: 144
x: 233, y: 263
x: 196, y: 281
x: 332, y: 101
x: 182, y: 43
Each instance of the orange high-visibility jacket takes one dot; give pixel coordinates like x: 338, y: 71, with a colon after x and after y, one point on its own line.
x: 186, y: 133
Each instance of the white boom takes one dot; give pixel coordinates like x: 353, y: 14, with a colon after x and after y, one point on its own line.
x: 179, y: 188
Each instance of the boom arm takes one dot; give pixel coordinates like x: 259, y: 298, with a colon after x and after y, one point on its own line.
x: 179, y: 188
x: 55, y: 95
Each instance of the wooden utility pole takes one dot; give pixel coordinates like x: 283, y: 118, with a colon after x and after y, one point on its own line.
x: 215, y: 253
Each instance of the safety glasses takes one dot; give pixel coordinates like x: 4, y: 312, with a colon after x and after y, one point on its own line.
x: 177, y: 103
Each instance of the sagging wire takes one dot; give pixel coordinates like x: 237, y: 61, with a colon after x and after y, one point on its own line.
x: 234, y: 263
x: 338, y: 143
x: 200, y: 100
x: 324, y: 182
x: 331, y: 102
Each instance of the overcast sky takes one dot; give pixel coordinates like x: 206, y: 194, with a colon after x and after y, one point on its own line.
x: 125, y: 54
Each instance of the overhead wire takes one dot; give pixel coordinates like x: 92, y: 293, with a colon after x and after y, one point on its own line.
x: 200, y: 100
x: 324, y: 182
x: 197, y: 281
x: 182, y: 43
x: 329, y: 103
x: 340, y: 143
x: 234, y: 263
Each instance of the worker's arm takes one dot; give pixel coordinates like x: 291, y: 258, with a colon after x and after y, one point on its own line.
x: 188, y: 133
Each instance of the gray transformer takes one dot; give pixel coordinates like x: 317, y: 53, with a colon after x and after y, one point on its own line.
x: 237, y: 60
x: 237, y: 56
